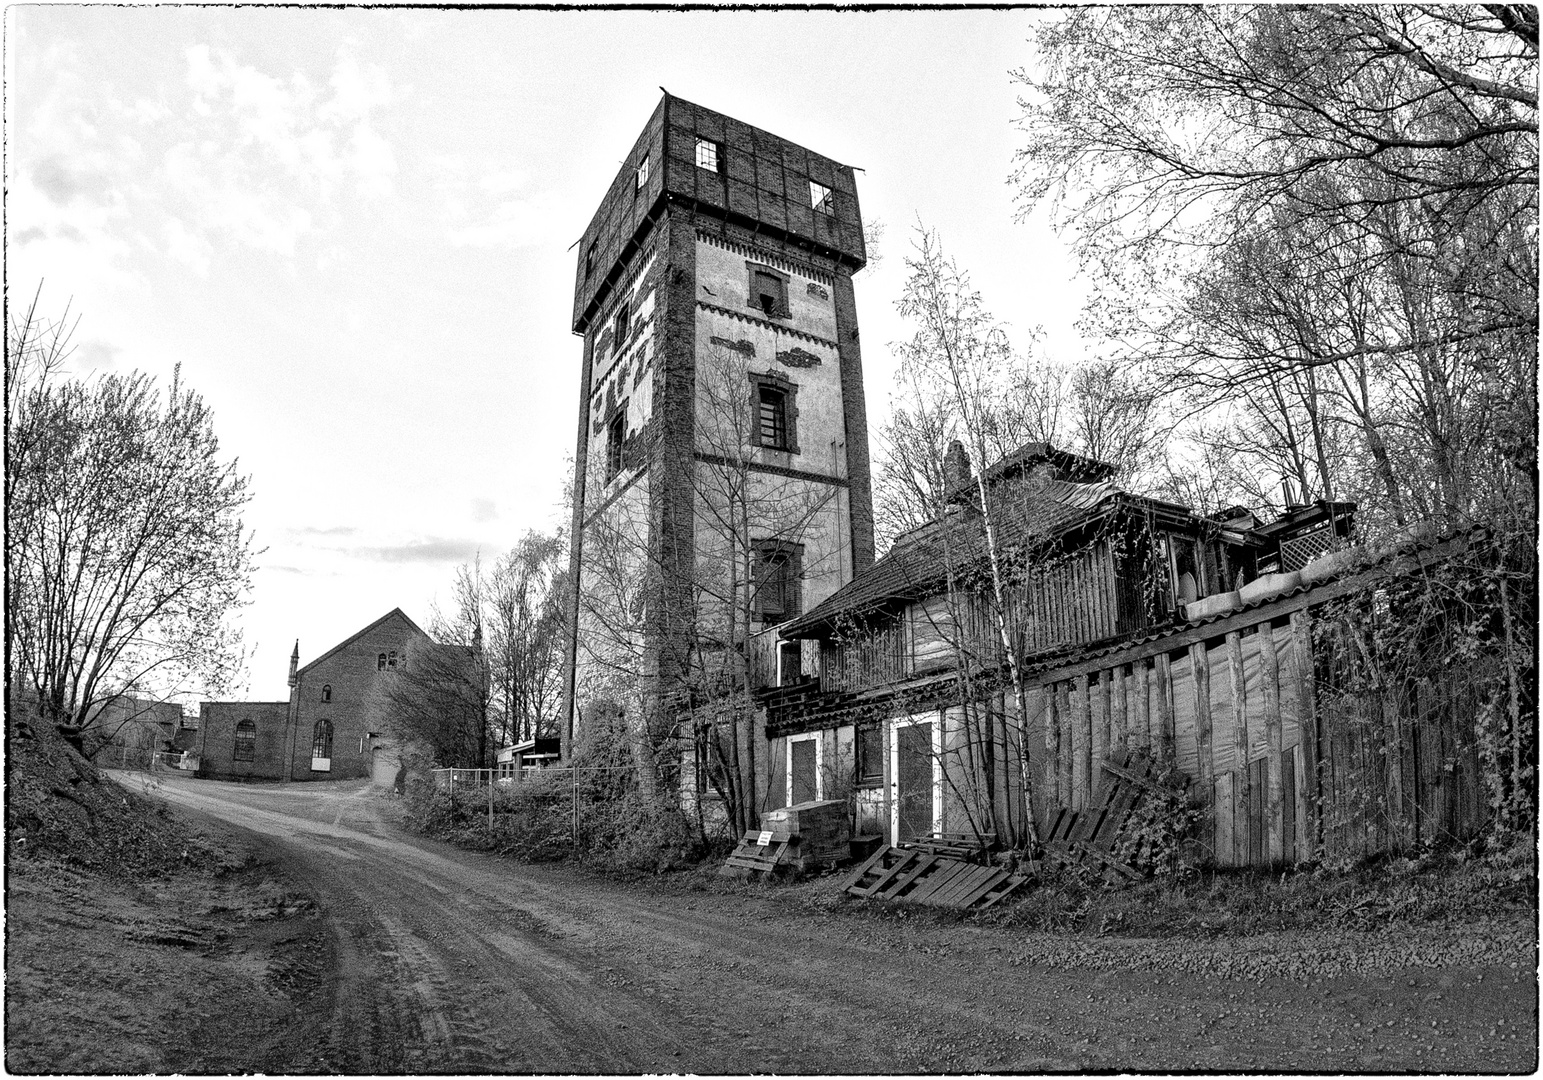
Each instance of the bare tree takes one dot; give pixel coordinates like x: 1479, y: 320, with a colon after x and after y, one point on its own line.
x: 524, y: 643
x: 125, y: 550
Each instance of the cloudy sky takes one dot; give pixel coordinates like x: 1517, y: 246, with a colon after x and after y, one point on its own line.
x: 352, y: 229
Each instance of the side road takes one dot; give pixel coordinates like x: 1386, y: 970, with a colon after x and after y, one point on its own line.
x: 420, y: 957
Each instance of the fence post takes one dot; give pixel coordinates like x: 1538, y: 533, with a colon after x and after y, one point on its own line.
x: 575, y: 808
x: 490, y: 804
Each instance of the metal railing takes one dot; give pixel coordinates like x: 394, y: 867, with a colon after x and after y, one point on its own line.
x: 463, y: 783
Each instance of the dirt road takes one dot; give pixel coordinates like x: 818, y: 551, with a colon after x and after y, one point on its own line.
x: 451, y: 961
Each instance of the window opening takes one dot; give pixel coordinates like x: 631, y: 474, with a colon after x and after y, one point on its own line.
x: 820, y: 198
x: 776, y: 595
x: 246, y: 741
x: 642, y: 175
x: 772, y: 417
x: 615, y: 435
x: 620, y: 329
x: 589, y: 261
x: 707, y: 155
x: 391, y: 659
x: 326, y: 693
x: 380, y: 662
x: 769, y: 293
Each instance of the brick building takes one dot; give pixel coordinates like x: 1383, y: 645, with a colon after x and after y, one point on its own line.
x: 333, y: 725
x: 722, y: 379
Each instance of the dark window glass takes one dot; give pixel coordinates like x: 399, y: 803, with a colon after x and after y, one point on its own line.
x: 326, y: 693
x: 246, y: 741
x: 870, y: 754
x: 777, y: 571
x: 380, y: 662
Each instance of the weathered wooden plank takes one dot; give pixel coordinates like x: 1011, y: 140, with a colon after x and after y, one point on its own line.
x: 1200, y: 672
x: 1288, y: 777
x: 1394, y: 734
x: 1068, y: 754
x: 1269, y: 679
x: 1239, y: 683
x: 997, y: 893
x: 1308, y: 780
x: 886, y: 874
x: 1098, y: 706
x: 1225, y: 821
x: 1165, y: 723
x: 967, y: 888
x: 1141, y: 727
x: 1136, y: 778
x: 1082, y: 737
x: 931, y: 883
x: 1052, y: 794
x: 1117, y: 711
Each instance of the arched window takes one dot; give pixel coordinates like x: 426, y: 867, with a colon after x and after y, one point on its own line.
x: 391, y: 660
x: 326, y: 692
x: 380, y: 662
x: 321, y: 746
x: 246, y: 741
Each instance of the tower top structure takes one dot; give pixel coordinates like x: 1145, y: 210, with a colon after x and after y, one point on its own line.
x: 724, y: 170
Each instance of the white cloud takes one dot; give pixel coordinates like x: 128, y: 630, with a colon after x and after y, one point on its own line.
x: 187, y: 247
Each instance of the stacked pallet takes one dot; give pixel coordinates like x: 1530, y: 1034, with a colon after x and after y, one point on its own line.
x: 759, y: 854
x: 821, y: 830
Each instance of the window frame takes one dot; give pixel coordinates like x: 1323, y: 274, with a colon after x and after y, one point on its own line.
x: 868, y: 765
x: 326, y: 692
x: 621, y: 325
x: 246, y: 727
x: 715, y: 149
x: 819, y: 763
x: 779, y: 309
x: 774, y: 380
x: 321, y: 745
x: 790, y: 557
x: 822, y: 200
x: 640, y: 175
x: 616, y: 443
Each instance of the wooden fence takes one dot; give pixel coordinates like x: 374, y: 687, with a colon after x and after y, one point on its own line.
x: 1285, y: 776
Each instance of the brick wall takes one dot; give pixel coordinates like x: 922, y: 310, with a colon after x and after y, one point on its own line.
x: 216, y: 744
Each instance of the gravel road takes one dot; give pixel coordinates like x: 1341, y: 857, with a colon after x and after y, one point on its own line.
x: 443, y: 960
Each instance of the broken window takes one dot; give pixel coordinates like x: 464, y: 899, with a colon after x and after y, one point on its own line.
x: 246, y: 741
x: 769, y: 292
x: 774, y: 412
x: 821, y: 199
x: 615, y: 435
x: 777, y: 574
x: 707, y: 155
x: 642, y: 175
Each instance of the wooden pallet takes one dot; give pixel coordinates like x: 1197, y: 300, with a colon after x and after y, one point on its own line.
x: 913, y: 875
x: 757, y: 853
x: 1088, y: 836
x: 957, y: 845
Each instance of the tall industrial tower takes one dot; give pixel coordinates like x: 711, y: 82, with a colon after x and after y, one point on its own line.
x: 722, y: 480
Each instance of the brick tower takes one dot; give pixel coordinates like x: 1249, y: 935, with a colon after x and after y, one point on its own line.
x: 722, y: 480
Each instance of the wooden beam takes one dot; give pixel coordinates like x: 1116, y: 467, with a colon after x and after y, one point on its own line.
x: 1239, y: 686
x: 1166, y: 751
x: 1141, y: 737
x: 1274, y: 731
x: 1064, y: 708
x: 1052, y: 795
x: 1098, y: 706
x: 1308, y: 776
x: 1200, y: 676
x: 1082, y: 741
x: 1117, y: 709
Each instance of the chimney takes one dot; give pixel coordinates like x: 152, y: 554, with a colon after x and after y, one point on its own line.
x: 956, y: 466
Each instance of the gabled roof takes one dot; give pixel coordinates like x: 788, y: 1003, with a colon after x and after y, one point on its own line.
x: 396, y: 613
